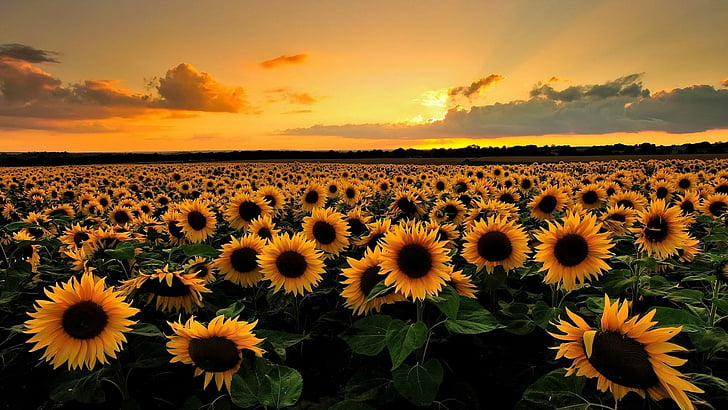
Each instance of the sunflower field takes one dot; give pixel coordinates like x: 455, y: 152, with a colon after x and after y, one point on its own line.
x: 351, y: 286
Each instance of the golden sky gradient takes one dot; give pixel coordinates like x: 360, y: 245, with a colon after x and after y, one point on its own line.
x: 237, y: 75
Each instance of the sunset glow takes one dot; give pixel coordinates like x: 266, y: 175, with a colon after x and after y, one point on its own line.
x: 141, y: 76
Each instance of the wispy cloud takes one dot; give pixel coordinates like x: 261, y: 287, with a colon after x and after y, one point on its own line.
x: 27, y: 53
x: 476, y: 87
x: 284, y: 60
x: 290, y: 96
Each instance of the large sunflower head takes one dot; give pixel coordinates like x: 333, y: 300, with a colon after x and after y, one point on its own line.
x: 292, y: 263
x: 360, y: 278
x: 82, y: 323
x: 243, y: 209
x: 215, y: 349
x: 414, y: 262
x: 196, y: 220
x: 496, y: 242
x: 272, y: 195
x: 314, y: 196
x: 715, y: 205
x: 327, y: 229
x: 377, y: 230
x: 617, y: 219
x: 172, y: 291
x: 625, y: 354
x: 551, y: 200
x: 449, y: 210
x: 406, y: 204
x: 663, y: 230
x: 357, y: 221
x: 573, y: 252
x: 263, y: 228
x: 591, y: 196
x: 239, y: 260
x: 201, y: 268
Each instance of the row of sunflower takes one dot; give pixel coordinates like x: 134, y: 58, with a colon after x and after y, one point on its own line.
x: 286, y: 283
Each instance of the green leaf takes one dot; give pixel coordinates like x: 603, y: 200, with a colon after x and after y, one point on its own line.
x: 711, y: 340
x: 149, y: 354
x: 553, y: 390
x: 403, y: 339
x: 278, y: 341
x: 16, y: 226
x: 677, y: 317
x: 495, y: 279
x: 543, y: 314
x: 472, y: 319
x: 685, y: 295
x: 285, y: 387
x: 124, y: 250
x: 715, y: 387
x: 199, y: 249
x: 448, y: 301
x: 367, y: 383
x: 419, y: 383
x: 81, y: 386
x: 233, y: 310
x: 146, y: 329
x: 368, y: 336
x: 379, y: 289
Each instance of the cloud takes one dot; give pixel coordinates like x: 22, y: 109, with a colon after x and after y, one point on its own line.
x: 20, y: 81
x: 27, y: 53
x: 185, y: 88
x: 476, y: 87
x: 724, y: 83
x: 285, y: 94
x: 284, y: 60
x: 621, y: 105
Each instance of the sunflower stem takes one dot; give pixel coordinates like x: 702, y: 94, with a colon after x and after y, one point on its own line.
x: 420, y: 310
x: 713, y: 305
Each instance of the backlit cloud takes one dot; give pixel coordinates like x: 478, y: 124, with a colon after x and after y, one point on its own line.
x: 292, y: 97
x: 724, y: 83
x: 27, y: 53
x: 476, y: 87
x: 621, y: 105
x: 284, y: 60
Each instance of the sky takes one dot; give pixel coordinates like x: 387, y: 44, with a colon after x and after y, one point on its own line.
x: 139, y: 75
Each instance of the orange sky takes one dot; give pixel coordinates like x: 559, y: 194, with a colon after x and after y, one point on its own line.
x: 236, y: 75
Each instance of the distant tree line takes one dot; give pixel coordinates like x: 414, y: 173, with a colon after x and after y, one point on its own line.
x: 68, y: 158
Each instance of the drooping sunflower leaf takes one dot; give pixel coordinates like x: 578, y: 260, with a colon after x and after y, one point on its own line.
x: 199, y: 249
x: 279, y: 341
x: 553, y: 390
x: 368, y: 336
x: 419, y: 383
x: 379, y: 289
x: 472, y: 319
x: 448, y: 301
x: 403, y: 339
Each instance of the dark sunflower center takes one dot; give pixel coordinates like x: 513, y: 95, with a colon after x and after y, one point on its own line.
x: 414, y: 260
x: 571, y: 250
x: 350, y: 193
x: 84, y: 320
x: 196, y: 220
x: 265, y: 233
x: 460, y: 187
x: 333, y: 189
x: 406, y: 206
x: 356, y: 227
x: 440, y: 186
x: 611, y: 191
x: 104, y: 202
x: 507, y: 198
x: 526, y: 184
x: 442, y: 235
x: 684, y: 183
x: 214, y: 354
x: 622, y: 360
x: 160, y: 288
x: 590, y: 197
x: 291, y: 264
x: 80, y: 237
x: 248, y: 210
x: 324, y: 232
x: 59, y: 212
x: 626, y: 203
x: 656, y: 229
x: 547, y: 204
x: 35, y: 232
x: 311, y: 197
x: 717, y: 208
x: 451, y: 211
x: 244, y: 259
x: 687, y: 207
x: 121, y: 217
x: 722, y: 189
x: 617, y: 217
x: 661, y: 193
x: 175, y: 230
x: 384, y: 186
x: 201, y: 271
x: 369, y: 279
x: 374, y: 241
x: 26, y: 251
x: 494, y: 246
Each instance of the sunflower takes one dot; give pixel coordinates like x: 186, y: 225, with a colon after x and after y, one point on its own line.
x: 441, y: 185
x: 82, y: 323
x: 356, y: 220
x: 63, y: 210
x: 617, y: 219
x: 715, y: 205
x: 351, y: 194
x: 172, y: 291
x: 450, y: 210
x: 573, y: 252
x: 414, y: 262
x: 591, y: 196
x: 496, y: 242
x: 196, y: 220
x: 291, y: 263
x: 201, y: 268
x: 121, y: 215
x: 446, y: 233
x: 662, y: 190
x: 485, y: 209
x: 625, y: 354
x: 628, y: 199
x: 551, y: 200
x: 663, y: 230
x: 263, y: 227
x: 244, y: 208
x: 239, y: 262
x: 314, y: 196
x: 171, y: 221
x: 406, y: 204
x: 360, y: 278
x: 689, y: 203
x: 75, y: 236
x: 377, y: 230
x: 327, y: 229
x: 507, y: 195
x: 272, y: 196
x: 463, y: 284
x: 215, y: 349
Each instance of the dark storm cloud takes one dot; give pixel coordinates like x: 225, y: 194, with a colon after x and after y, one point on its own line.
x: 622, y: 105
x: 630, y: 86
x: 476, y: 87
x: 27, y: 53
